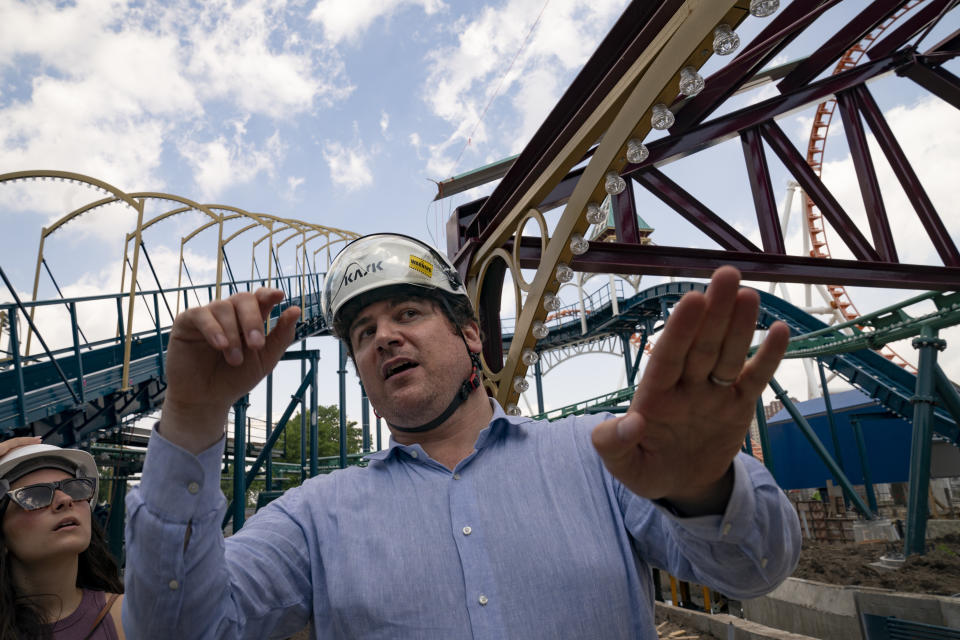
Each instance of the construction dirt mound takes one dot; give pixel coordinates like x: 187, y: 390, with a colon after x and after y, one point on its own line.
x: 937, y: 572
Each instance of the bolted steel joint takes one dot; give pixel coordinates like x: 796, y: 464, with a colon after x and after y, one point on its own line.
x: 937, y: 343
x: 918, y: 399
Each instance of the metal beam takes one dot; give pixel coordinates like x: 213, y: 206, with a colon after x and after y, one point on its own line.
x: 636, y: 28
x: 908, y: 178
x: 786, y: 25
x: 818, y: 192
x: 723, y: 128
x: 834, y: 46
x: 910, y: 27
x: 936, y: 80
x: 764, y: 201
x: 694, y: 211
x: 616, y: 257
x: 867, y: 178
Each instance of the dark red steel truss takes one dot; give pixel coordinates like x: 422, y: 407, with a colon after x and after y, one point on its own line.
x: 876, y: 263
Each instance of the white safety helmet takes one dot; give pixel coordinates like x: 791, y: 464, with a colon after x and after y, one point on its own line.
x: 386, y: 260
x: 29, y: 458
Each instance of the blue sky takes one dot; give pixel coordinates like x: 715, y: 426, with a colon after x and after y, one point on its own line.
x: 342, y: 113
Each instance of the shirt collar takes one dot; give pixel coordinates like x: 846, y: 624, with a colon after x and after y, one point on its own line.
x: 500, y: 425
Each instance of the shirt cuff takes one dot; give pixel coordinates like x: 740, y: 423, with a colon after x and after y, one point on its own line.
x: 737, y: 518
x: 178, y: 486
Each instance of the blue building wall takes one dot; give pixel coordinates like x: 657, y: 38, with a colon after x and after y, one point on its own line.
x: 887, y: 439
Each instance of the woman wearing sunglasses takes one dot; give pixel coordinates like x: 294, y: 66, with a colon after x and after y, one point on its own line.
x: 57, y: 579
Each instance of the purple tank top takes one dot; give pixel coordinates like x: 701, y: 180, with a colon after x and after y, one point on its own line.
x: 77, y: 625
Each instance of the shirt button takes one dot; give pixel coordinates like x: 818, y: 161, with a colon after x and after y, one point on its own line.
x: 414, y: 455
x: 482, y: 600
x: 763, y: 563
x: 456, y: 476
x: 726, y: 528
x: 467, y: 531
x: 193, y: 487
x: 174, y: 585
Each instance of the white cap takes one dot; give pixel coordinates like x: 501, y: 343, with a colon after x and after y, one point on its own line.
x: 29, y: 458
x: 385, y: 260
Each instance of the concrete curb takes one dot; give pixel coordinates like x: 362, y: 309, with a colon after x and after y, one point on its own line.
x: 723, y: 626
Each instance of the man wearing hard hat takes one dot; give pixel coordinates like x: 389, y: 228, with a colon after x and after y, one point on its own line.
x: 472, y: 523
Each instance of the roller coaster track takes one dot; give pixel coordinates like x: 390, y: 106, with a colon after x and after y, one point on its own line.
x: 851, y: 356
x: 89, y: 400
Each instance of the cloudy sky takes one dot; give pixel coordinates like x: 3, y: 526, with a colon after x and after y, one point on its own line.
x: 341, y: 113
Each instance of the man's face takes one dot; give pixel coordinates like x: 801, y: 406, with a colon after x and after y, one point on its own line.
x: 410, y: 358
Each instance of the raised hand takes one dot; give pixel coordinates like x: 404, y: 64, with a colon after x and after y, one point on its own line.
x: 694, y: 404
x: 218, y: 353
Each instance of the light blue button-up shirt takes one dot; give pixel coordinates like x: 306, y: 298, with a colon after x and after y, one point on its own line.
x: 528, y: 537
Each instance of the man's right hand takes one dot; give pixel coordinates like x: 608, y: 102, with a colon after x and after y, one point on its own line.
x: 218, y: 353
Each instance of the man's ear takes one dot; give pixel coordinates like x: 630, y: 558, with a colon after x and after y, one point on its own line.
x: 471, y: 333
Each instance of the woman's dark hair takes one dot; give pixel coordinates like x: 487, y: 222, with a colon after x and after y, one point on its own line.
x: 96, y: 570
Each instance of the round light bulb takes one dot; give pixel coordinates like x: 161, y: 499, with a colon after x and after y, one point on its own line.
x: 613, y: 183
x: 637, y: 152
x: 662, y: 117
x: 725, y: 41
x: 595, y: 214
x: 763, y: 8
x: 540, y: 330
x: 551, y: 302
x: 513, y: 410
x: 564, y: 272
x: 520, y: 384
x: 691, y: 82
x: 578, y: 244
x: 529, y: 357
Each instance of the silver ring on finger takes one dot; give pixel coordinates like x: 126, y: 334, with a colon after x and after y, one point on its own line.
x: 721, y: 382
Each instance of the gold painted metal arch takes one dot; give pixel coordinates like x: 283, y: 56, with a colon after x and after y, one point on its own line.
x: 623, y: 114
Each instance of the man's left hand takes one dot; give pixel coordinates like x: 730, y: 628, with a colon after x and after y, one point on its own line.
x: 695, y: 401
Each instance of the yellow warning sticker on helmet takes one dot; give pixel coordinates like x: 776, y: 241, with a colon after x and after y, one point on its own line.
x: 421, y: 265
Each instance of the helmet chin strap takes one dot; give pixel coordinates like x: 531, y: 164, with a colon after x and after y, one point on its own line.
x: 471, y: 384
x: 466, y: 388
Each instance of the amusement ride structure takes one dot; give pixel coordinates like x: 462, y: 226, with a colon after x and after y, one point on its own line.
x: 565, y: 208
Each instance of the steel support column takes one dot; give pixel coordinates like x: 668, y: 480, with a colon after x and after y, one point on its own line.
x: 829, y: 406
x: 764, y: 438
x: 268, y: 481
x: 239, y: 461
x: 118, y: 499
x: 864, y: 463
x: 314, y: 419
x: 342, y: 374
x: 928, y: 344
x: 538, y: 379
x: 303, y: 417
x: 365, y: 418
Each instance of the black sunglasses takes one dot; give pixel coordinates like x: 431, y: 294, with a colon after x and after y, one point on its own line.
x: 40, y: 495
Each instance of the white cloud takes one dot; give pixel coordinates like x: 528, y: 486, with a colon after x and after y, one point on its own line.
x: 349, y: 166
x: 345, y: 20
x: 384, y: 122
x: 221, y: 162
x: 465, y: 77
x: 107, y: 87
